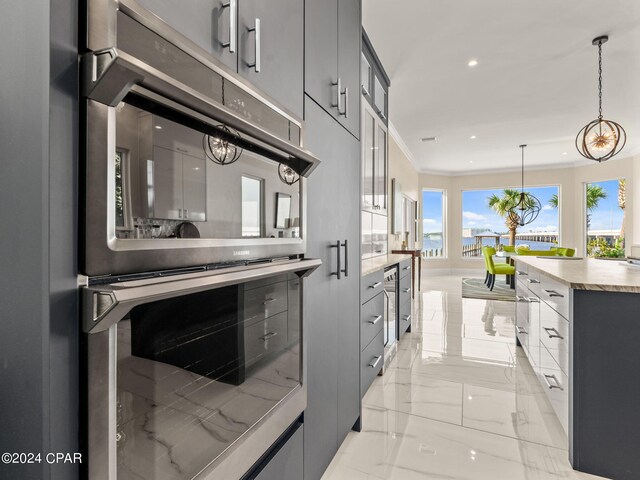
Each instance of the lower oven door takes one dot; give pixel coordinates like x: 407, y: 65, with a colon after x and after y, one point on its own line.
x: 195, y: 382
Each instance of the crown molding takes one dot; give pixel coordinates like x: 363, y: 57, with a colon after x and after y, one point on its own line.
x: 403, y: 146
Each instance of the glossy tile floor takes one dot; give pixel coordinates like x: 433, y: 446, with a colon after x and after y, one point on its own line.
x: 459, y: 402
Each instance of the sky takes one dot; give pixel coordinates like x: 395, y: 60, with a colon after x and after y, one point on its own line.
x: 607, y: 216
x: 431, y: 211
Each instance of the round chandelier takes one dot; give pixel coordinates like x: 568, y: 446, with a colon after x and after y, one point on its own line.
x: 287, y: 174
x: 600, y: 139
x: 220, y: 150
x: 528, y: 207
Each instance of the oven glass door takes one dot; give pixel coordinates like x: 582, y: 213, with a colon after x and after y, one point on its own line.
x: 195, y: 373
x: 172, y: 180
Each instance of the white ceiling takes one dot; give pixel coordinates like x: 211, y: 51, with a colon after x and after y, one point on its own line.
x: 535, y: 82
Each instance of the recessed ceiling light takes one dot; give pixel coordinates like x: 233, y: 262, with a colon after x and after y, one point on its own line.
x: 472, y: 63
x: 473, y: 137
x: 564, y: 153
x: 428, y: 139
x: 470, y: 161
x: 159, y: 127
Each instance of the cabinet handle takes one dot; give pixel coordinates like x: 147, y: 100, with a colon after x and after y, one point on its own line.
x: 522, y: 330
x: 555, y: 380
x: 268, y: 301
x: 522, y: 299
x: 407, y: 318
x: 179, y: 213
x: 375, y: 285
x: 268, y: 336
x: 555, y: 334
x: 533, y: 300
x: 338, y: 86
x: 233, y: 9
x: 346, y: 103
x: 520, y: 272
x: 338, y: 273
x: 377, y: 360
x: 186, y: 213
x: 256, y: 62
x: 407, y: 267
x: 407, y: 290
x: 346, y: 258
x: 532, y: 280
x: 375, y: 320
x: 553, y: 293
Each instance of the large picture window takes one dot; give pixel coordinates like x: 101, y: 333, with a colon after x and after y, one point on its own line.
x: 605, y: 204
x: 485, y: 221
x: 433, y: 221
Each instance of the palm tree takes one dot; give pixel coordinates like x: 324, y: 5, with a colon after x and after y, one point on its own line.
x: 595, y: 193
x: 622, y: 203
x: 502, y: 205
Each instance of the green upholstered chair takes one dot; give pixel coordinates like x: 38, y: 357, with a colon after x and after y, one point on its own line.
x: 499, y: 269
x: 537, y: 253
x: 509, y: 248
x: 566, y: 252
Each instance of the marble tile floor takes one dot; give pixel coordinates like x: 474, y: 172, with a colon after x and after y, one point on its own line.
x: 459, y: 402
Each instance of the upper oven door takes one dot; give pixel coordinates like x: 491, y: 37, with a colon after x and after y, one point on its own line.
x: 184, y: 166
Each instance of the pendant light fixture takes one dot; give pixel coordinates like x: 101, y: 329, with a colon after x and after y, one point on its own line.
x: 287, y: 174
x: 528, y: 206
x: 600, y: 139
x: 219, y: 149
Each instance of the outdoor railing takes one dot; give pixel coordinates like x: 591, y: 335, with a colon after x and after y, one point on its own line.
x: 473, y: 250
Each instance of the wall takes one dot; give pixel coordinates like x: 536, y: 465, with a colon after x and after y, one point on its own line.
x: 401, y: 168
x: 40, y: 325
x: 570, y: 180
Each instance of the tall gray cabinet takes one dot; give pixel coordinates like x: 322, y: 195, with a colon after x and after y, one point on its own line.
x: 331, y: 304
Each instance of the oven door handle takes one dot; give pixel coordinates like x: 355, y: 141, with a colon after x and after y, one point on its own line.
x: 105, y: 305
x: 108, y: 75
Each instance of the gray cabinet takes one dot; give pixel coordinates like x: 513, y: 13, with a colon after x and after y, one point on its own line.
x: 287, y: 462
x: 269, y: 56
x: 375, y: 195
x: 332, y: 58
x: 331, y: 305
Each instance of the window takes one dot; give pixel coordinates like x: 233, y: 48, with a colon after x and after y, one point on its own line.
x: 252, y: 207
x: 433, y: 217
x: 605, y: 204
x: 485, y: 222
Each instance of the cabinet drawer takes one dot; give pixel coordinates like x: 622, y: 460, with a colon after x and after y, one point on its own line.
x: 265, y: 337
x: 371, y: 319
x: 556, y: 294
x: 371, y: 285
x: 405, y: 317
x: 405, y: 268
x: 554, y: 334
x: 371, y: 362
x: 522, y: 320
x: 556, y: 386
x: 264, y: 302
x: 533, y: 281
x: 404, y: 295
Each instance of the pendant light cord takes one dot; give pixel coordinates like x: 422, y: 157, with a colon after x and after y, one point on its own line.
x: 522, y: 174
x: 600, y: 80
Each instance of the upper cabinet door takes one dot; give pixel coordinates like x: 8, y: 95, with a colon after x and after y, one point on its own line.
x: 380, y: 186
x: 271, y: 54
x: 349, y: 37
x: 207, y: 23
x: 321, y: 50
x: 368, y: 150
x: 165, y: 195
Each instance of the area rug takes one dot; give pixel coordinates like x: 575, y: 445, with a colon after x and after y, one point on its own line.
x: 475, y: 288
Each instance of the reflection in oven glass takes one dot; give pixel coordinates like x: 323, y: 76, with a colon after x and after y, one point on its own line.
x: 197, y: 372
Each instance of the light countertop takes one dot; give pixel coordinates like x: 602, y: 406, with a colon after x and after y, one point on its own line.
x: 588, y: 274
x: 371, y: 265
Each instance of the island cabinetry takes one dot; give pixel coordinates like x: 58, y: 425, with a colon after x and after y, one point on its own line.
x: 578, y: 325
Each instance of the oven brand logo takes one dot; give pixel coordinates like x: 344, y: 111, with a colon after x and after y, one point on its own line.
x: 241, y: 252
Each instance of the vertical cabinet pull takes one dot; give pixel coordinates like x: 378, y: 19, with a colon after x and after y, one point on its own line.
x: 232, y: 5
x: 338, y: 86
x: 345, y: 112
x: 346, y: 258
x: 337, y: 246
x: 256, y: 63
x: 375, y: 361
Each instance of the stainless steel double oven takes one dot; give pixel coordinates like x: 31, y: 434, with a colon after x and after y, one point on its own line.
x: 193, y: 250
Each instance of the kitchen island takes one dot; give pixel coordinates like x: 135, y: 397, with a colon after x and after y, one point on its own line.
x: 578, y: 321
